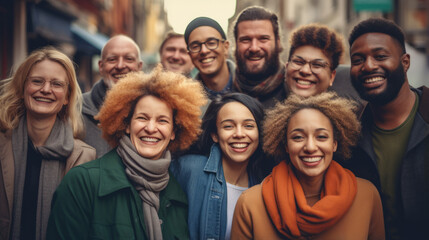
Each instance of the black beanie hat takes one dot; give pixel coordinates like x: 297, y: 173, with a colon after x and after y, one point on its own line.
x: 203, y: 21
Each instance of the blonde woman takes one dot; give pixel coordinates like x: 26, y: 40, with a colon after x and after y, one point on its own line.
x: 40, y: 123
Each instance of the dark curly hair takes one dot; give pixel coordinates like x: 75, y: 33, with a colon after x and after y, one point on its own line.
x: 184, y: 95
x: 319, y: 36
x: 340, y: 112
x: 378, y: 25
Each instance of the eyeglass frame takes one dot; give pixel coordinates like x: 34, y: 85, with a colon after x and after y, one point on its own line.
x: 310, y: 64
x: 200, y: 44
x: 40, y: 85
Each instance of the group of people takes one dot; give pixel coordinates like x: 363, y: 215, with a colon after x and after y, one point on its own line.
x: 248, y: 149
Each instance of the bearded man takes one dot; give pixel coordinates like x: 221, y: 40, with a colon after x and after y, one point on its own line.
x: 393, y: 151
x: 259, y: 73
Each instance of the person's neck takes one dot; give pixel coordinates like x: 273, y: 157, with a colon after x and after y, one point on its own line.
x: 39, y: 129
x: 312, y: 187
x: 394, y: 113
x: 217, y: 82
x: 235, y: 173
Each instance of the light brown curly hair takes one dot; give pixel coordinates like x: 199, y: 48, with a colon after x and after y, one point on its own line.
x: 184, y: 95
x: 320, y: 36
x: 340, y: 112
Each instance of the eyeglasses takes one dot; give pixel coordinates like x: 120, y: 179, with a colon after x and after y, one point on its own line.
x: 56, y: 85
x: 211, y: 44
x: 316, y: 66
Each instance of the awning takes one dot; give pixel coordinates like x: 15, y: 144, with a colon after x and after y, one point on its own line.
x: 50, y: 25
x: 86, y: 41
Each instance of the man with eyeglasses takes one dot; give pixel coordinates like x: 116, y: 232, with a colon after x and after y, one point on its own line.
x: 260, y: 73
x: 208, y: 48
x: 119, y: 56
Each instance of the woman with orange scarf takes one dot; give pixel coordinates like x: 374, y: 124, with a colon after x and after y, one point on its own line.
x: 308, y: 195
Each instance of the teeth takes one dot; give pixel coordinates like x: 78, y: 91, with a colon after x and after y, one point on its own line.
x: 149, y: 139
x: 311, y: 159
x: 255, y: 58
x: 207, y: 60
x: 43, y: 100
x: 374, y: 79
x: 239, y: 145
x: 304, y: 82
x: 119, y: 75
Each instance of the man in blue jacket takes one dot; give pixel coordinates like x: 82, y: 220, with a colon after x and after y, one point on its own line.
x: 393, y: 151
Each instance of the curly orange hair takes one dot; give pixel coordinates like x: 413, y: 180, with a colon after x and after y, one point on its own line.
x: 184, y: 95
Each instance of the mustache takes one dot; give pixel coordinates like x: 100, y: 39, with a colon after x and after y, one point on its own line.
x: 254, y: 54
x: 372, y: 73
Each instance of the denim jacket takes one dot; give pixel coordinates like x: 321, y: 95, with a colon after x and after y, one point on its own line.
x: 203, y: 181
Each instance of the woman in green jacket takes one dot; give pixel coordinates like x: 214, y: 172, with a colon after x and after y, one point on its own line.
x: 128, y: 193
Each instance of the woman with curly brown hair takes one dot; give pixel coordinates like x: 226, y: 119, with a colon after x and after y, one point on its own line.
x: 128, y: 193
x: 314, y: 55
x: 309, y: 195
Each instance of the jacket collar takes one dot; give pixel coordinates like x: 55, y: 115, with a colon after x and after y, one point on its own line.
x: 214, y: 162
x: 113, y: 178
x: 419, y: 131
x: 112, y: 174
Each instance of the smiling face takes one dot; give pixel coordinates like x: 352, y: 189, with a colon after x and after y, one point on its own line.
x: 378, y: 67
x: 209, y: 62
x: 151, y: 127
x: 303, y: 81
x: 45, y: 101
x: 175, y: 57
x: 257, y: 52
x: 310, y: 143
x: 237, y: 133
x: 119, y: 57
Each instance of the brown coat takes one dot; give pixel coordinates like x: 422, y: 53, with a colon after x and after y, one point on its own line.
x: 82, y: 153
x: 364, y: 220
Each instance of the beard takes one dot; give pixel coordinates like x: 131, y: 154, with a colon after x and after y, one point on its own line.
x: 271, y: 66
x: 394, y: 79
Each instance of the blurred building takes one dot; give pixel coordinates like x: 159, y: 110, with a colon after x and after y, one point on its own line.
x: 342, y: 15
x: 79, y: 28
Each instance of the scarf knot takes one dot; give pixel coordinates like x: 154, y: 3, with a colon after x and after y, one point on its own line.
x: 287, y: 206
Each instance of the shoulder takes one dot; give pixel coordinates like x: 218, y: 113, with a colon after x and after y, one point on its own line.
x: 253, y: 194
x: 82, y: 153
x: 366, y: 191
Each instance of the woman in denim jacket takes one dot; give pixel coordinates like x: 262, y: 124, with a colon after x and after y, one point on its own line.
x: 229, y: 161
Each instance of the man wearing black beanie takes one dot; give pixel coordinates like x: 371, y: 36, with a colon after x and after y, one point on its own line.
x: 208, y: 48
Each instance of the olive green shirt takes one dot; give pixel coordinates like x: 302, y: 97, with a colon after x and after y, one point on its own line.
x: 390, y: 147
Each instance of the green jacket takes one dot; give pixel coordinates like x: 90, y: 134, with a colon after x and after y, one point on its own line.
x: 96, y: 201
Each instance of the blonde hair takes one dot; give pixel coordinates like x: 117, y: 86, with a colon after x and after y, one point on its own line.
x: 340, y: 112
x: 184, y: 95
x: 12, y: 92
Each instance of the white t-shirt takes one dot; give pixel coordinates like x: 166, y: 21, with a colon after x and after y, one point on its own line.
x: 233, y: 193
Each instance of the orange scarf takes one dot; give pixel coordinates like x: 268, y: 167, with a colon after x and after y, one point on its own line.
x: 287, y: 206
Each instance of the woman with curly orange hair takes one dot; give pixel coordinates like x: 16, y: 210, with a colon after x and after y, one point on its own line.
x: 128, y: 193
x: 309, y: 195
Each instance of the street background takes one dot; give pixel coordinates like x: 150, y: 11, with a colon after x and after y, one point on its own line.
x: 80, y: 28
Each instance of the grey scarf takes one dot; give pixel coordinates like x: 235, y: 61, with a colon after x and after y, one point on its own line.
x: 149, y: 177
x: 55, y: 152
